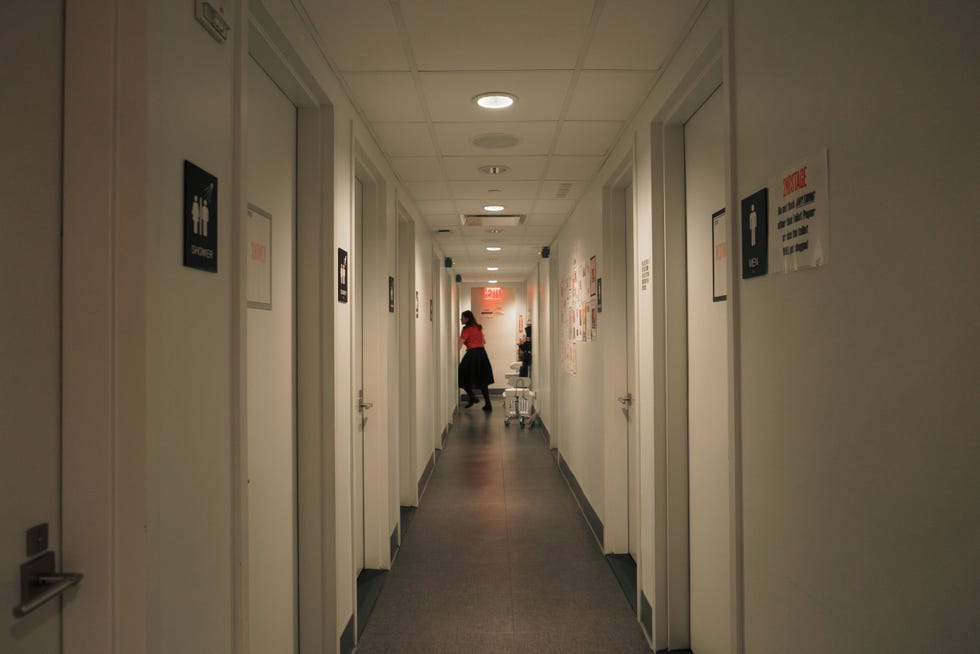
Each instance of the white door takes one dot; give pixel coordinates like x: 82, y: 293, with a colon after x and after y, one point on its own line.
x: 270, y: 244
x: 31, y: 74
x: 358, y: 364
x: 707, y: 337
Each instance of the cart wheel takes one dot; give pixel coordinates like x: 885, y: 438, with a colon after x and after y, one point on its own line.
x: 522, y: 422
x: 506, y: 422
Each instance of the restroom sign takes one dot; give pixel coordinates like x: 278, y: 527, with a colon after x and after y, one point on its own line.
x: 200, y: 218
x: 799, y: 217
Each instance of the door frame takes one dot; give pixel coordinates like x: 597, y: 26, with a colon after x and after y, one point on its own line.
x: 671, y: 595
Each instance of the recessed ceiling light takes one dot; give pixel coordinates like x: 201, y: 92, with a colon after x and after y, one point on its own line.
x: 491, y: 281
x: 493, y: 268
x: 493, y: 248
x: 495, y: 100
x: 494, y: 207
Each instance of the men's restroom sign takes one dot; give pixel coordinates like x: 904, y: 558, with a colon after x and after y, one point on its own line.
x: 755, y: 217
x: 200, y: 218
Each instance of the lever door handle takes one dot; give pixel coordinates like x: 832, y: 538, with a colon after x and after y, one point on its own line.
x: 366, y: 405
x: 625, y: 400
x: 39, y: 583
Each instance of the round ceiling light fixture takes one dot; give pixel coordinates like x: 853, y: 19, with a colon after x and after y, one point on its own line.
x: 494, y: 170
x: 495, y: 100
x: 494, y: 207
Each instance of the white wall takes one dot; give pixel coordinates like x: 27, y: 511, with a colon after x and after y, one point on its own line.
x: 579, y: 396
x: 859, y: 379
x: 193, y: 403
x: 707, y: 360
x: 499, y: 320
x: 271, y: 141
x: 190, y: 317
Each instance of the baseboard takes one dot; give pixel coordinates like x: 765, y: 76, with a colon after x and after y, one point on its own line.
x: 445, y: 435
x: 590, y: 515
x: 427, y: 473
x: 407, y: 515
x: 624, y: 567
x: 646, y: 615
x: 394, y: 542
x: 369, y: 584
x: 347, y: 638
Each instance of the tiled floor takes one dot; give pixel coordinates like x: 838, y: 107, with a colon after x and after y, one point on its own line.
x: 499, y: 558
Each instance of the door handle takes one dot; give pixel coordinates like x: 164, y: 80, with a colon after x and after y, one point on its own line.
x: 625, y: 400
x: 39, y: 584
x: 366, y: 405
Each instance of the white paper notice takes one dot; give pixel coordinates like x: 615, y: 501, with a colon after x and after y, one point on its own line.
x: 799, y: 216
x: 719, y: 256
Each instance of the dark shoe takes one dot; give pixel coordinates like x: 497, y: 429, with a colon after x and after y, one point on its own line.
x: 469, y: 403
x: 488, y: 407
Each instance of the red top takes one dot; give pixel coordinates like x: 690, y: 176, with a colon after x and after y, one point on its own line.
x: 472, y: 337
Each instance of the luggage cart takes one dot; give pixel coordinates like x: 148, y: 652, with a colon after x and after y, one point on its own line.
x: 519, y: 405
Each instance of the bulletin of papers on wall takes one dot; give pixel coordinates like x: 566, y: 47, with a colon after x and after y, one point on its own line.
x: 579, y: 312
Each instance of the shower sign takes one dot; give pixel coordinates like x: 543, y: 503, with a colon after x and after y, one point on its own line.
x: 799, y: 216
x: 200, y: 218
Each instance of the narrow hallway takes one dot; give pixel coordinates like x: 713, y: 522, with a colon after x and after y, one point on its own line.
x: 498, y: 558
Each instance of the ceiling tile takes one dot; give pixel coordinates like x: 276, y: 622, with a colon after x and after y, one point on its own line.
x: 499, y: 35
x: 405, y: 139
x: 550, y: 219
x: 561, y: 190
x: 386, y: 97
x: 417, y: 169
x: 540, y: 95
x: 587, y: 137
x: 609, y: 95
x: 481, y: 190
x: 521, y: 168
x: 442, y: 220
x: 454, y: 138
x: 358, y: 35
x: 577, y: 168
x: 638, y: 34
x: 428, y: 190
x: 554, y: 206
x: 436, y: 206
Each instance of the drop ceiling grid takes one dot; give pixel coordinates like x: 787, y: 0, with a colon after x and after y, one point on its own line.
x: 580, y: 70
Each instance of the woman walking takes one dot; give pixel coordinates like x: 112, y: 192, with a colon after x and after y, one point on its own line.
x: 474, y: 369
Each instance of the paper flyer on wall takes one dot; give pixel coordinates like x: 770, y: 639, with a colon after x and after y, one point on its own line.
x: 799, y: 216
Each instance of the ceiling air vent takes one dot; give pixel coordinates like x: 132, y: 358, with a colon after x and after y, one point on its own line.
x: 491, y: 219
x: 495, y: 141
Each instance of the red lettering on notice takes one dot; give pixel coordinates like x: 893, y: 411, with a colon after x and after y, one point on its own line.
x: 794, y: 181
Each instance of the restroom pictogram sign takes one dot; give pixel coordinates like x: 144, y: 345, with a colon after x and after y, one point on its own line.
x: 200, y: 218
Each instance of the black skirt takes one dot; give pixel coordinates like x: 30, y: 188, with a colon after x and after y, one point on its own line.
x: 475, y: 370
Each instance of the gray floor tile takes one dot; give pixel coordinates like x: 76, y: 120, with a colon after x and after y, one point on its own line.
x: 499, y: 558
